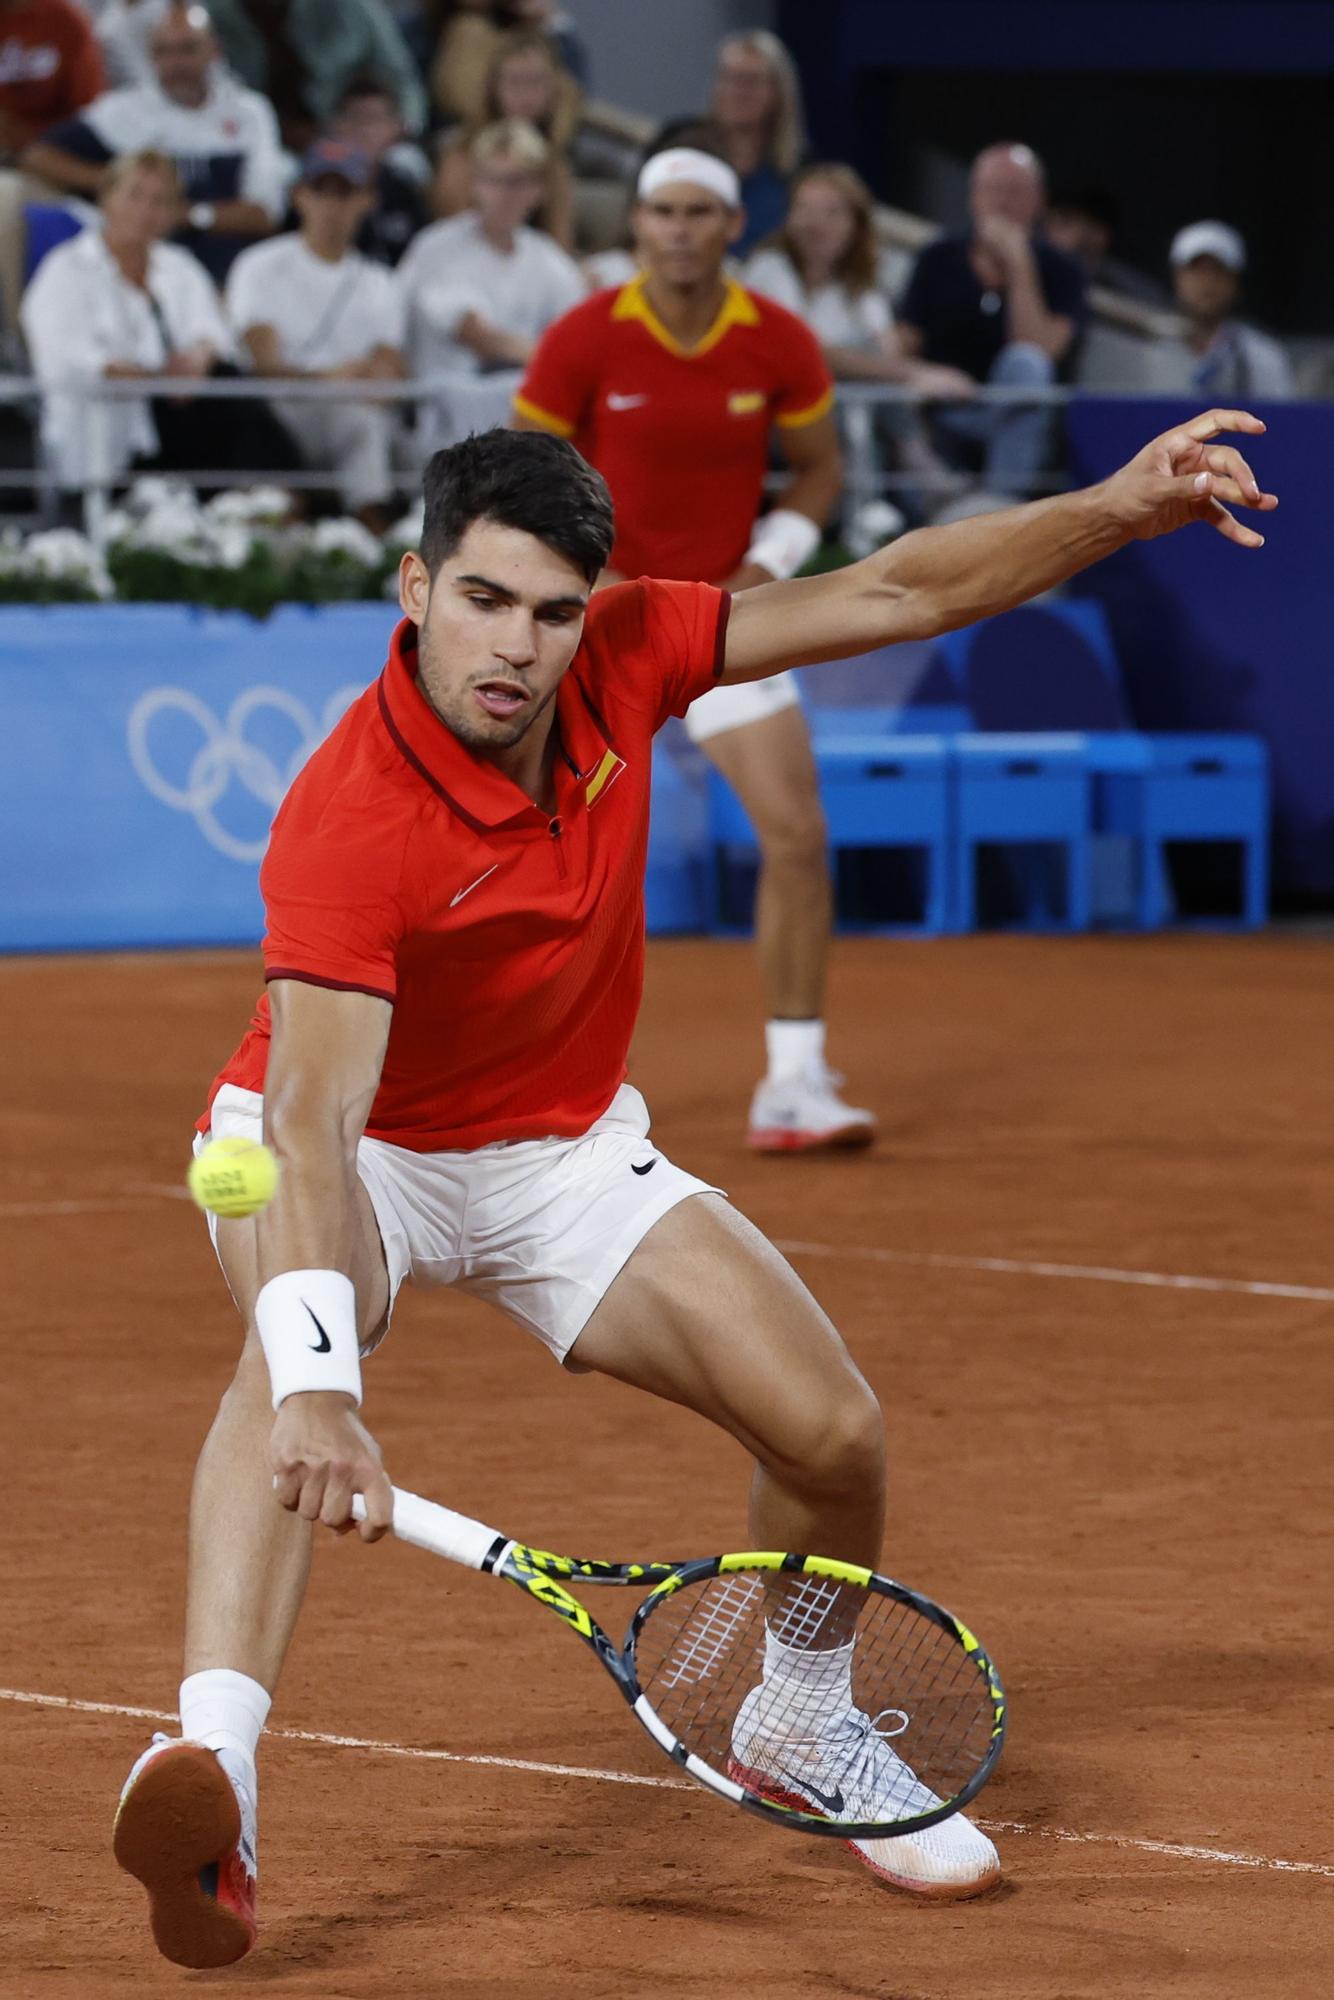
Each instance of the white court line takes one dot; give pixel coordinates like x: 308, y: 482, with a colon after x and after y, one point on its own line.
x: 1102, y: 1273
x: 1177, y: 1850
x: 934, y: 1260
x: 103, y: 1205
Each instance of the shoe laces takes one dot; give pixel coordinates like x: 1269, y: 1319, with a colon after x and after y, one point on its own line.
x: 869, y: 1768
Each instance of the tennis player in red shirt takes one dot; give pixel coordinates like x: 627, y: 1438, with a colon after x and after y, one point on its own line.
x: 455, y: 943
x: 673, y: 387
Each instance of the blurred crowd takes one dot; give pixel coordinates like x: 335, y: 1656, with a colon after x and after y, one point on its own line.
x: 412, y: 191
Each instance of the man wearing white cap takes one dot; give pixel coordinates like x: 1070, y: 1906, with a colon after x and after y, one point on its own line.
x: 672, y: 386
x: 1217, y: 356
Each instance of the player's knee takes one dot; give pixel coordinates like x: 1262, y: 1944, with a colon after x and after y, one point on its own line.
x: 838, y: 1447
x: 797, y: 840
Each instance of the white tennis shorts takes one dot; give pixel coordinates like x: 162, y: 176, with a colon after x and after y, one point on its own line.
x: 734, y: 706
x: 540, y: 1227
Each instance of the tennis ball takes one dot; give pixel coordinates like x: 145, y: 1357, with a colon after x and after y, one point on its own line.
x: 233, y: 1176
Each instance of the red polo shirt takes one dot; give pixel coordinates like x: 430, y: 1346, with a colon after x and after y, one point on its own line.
x: 510, y: 940
x: 680, y: 434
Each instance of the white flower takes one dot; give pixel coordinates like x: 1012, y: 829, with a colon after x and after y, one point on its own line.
x: 229, y: 544
x: 63, y: 553
x: 151, y: 492
x: 174, y: 531
x: 346, y: 538
x: 250, y: 505
x: 406, y: 534
x: 117, y: 527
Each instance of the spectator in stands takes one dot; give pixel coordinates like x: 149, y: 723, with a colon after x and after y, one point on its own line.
x: 50, y: 67
x: 472, y: 33
x: 1004, y: 307
x: 303, y: 54
x: 123, y: 29
x: 525, y: 81
x: 756, y: 123
x: 369, y: 121
x: 481, y: 287
x: 117, y: 303
x: 307, y: 305
x: 223, y: 138
x: 1083, y: 222
x: 823, y: 266
x: 1218, y: 357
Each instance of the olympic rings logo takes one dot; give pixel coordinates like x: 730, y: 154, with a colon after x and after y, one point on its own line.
x: 225, y: 756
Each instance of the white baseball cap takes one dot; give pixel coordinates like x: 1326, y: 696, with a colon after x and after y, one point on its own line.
x: 687, y: 163
x: 1208, y: 239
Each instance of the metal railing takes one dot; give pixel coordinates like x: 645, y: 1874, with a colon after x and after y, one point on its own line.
x: 470, y: 402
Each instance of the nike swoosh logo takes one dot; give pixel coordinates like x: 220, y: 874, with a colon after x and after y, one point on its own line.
x: 647, y: 1167
x: 625, y: 402
x: 323, y: 1345
x: 831, y: 1801
x: 473, y: 885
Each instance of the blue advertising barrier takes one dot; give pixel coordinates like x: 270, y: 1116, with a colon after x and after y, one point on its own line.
x: 1211, y: 637
x: 145, y: 748
x: 143, y: 752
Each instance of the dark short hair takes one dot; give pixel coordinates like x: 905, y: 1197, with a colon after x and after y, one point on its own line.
x: 520, y: 479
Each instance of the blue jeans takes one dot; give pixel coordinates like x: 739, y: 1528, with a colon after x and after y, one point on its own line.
x: 1015, y: 438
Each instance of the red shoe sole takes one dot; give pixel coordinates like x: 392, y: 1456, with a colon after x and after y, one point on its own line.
x: 179, y: 1817
x: 778, y: 1139
x: 930, y: 1892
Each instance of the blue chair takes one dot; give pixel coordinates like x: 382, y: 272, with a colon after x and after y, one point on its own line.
x: 880, y: 792
x: 1197, y: 789
x: 1031, y: 793
x: 46, y: 223
x: 1052, y: 665
x: 676, y: 875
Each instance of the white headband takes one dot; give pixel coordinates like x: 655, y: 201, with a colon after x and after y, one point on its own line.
x: 685, y: 163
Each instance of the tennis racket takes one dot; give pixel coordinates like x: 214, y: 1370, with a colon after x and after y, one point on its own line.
x: 735, y: 1665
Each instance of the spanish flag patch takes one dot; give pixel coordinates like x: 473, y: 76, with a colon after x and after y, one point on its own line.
x: 606, y: 771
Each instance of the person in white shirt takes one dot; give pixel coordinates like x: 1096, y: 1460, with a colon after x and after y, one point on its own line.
x: 480, y: 288
x: 223, y: 138
x: 308, y: 304
x: 824, y: 265
x: 1217, y: 355
x: 117, y: 303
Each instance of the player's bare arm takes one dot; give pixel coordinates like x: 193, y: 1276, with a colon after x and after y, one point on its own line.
x: 940, y: 578
x: 323, y: 1070
x: 812, y: 451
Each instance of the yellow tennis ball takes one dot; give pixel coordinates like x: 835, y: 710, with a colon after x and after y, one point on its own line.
x: 233, y: 1176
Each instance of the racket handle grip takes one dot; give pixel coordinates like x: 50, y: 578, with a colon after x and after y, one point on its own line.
x: 439, y: 1530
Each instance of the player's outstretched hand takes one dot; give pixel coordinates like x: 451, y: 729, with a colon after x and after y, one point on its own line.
x: 1183, y: 476
x: 322, y: 1454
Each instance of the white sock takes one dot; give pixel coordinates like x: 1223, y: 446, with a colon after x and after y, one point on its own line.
x: 227, y: 1711
x: 811, y: 1686
x: 795, y: 1048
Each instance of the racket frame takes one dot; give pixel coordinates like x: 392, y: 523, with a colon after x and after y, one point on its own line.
x: 545, y: 1576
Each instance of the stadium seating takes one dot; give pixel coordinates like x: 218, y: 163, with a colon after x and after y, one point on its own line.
x: 1053, y: 665
x: 1030, y: 793
x: 886, y: 799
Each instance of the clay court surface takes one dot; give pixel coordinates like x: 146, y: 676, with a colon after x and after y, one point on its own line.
x: 1124, y: 1487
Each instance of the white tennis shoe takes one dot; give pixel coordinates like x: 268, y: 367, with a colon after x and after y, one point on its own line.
x: 805, y: 1114
x: 848, y: 1770
x: 185, y: 1827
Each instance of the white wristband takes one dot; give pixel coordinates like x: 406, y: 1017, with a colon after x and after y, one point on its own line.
x: 307, y: 1325
x: 783, y: 541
